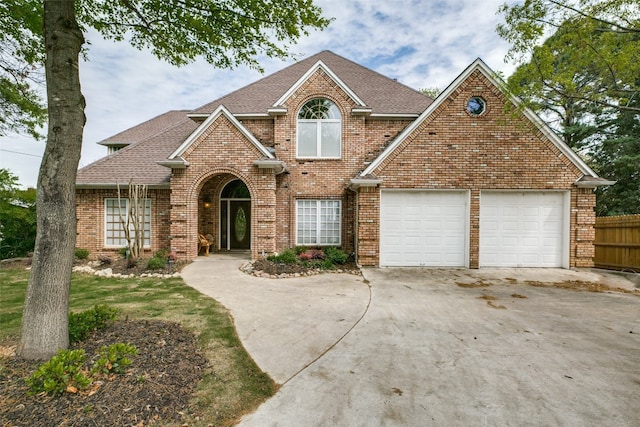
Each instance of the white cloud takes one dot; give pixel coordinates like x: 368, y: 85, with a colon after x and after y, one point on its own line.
x: 420, y: 43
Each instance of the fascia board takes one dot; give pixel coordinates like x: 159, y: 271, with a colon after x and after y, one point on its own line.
x: 221, y: 110
x: 319, y: 65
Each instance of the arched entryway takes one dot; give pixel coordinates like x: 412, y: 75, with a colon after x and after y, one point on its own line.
x: 235, y: 216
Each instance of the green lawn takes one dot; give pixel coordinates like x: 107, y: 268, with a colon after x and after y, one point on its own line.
x: 238, y: 385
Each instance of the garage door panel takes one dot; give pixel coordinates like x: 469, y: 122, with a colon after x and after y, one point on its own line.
x: 521, y: 229
x: 433, y: 228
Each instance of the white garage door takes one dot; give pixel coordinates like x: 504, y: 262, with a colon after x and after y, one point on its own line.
x: 521, y: 229
x: 423, y: 228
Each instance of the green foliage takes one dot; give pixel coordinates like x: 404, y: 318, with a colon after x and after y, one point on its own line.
x: 432, y: 92
x: 178, y: 31
x: 598, y: 38
x: 83, y: 323
x: 583, y: 81
x: 225, y: 34
x: 113, y: 359
x: 141, y: 298
x: 62, y: 371
x: 288, y: 256
x: 156, y: 263
x: 123, y: 252
x: 81, y: 253
x: 335, y: 255
x: 300, y: 249
x: 162, y: 253
x: 618, y: 158
x: 327, y: 258
x: 21, y: 74
x: 17, y: 217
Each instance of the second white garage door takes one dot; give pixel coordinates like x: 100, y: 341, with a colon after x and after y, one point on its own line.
x: 522, y: 229
x: 423, y: 228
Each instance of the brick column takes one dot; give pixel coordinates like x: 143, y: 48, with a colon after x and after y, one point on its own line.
x: 583, y: 219
x: 264, y: 219
x: 368, y: 223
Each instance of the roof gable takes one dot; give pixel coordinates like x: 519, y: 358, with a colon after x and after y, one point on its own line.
x: 302, y: 80
x: 479, y: 65
x: 220, y: 111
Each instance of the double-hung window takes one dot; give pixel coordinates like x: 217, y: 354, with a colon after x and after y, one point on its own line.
x: 318, y: 222
x: 319, y: 130
x: 114, y: 230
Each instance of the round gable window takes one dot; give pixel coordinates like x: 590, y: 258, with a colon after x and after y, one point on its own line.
x: 476, y: 106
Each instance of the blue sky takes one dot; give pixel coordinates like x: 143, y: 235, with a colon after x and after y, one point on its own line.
x: 420, y: 43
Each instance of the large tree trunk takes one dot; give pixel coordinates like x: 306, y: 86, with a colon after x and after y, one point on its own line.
x: 45, y: 317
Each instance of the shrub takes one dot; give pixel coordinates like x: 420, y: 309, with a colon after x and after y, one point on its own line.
x: 335, y: 255
x: 63, y: 372
x: 114, y: 359
x: 300, y: 249
x: 83, y: 323
x: 81, y: 253
x: 123, y: 252
x: 327, y: 264
x: 316, y: 254
x: 162, y: 253
x: 156, y: 263
x: 288, y: 256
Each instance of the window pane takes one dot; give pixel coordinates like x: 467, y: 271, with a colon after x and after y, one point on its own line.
x: 307, y: 139
x: 318, y: 222
x: 114, y: 231
x: 319, y: 129
x: 330, y: 139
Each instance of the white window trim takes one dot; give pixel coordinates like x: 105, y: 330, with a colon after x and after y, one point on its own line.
x: 319, y: 123
x: 318, y: 222
x: 318, y: 138
x: 110, y: 245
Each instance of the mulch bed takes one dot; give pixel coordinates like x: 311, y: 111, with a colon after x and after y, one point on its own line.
x: 156, y: 388
x: 275, y: 269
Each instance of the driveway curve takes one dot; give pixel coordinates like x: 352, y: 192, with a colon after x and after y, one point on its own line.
x: 449, y: 347
x: 285, y: 325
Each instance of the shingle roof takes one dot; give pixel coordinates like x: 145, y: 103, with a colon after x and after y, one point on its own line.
x: 155, y: 139
x: 146, y: 129
x: 138, y: 160
x: 382, y: 94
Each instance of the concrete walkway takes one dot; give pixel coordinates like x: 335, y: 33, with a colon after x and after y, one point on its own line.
x: 284, y: 324
x: 435, y: 347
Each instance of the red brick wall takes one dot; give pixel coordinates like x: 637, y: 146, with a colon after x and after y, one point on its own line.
x: 449, y: 150
x: 498, y: 150
x: 220, y: 155
x: 91, y: 220
x: 362, y: 140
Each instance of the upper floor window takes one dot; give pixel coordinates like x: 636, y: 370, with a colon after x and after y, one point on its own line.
x: 319, y: 130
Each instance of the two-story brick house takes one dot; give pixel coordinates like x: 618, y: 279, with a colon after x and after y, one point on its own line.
x: 327, y: 152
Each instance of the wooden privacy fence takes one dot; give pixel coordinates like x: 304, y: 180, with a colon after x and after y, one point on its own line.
x: 618, y: 242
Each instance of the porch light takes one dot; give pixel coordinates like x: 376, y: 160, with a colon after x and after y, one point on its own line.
x: 207, y: 201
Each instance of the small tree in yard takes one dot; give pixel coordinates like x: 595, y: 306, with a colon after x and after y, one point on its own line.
x: 133, y: 218
x: 226, y: 34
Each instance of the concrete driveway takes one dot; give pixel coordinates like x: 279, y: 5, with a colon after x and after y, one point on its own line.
x: 423, y: 347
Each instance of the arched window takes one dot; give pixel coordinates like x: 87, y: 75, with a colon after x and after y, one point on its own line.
x: 319, y: 130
